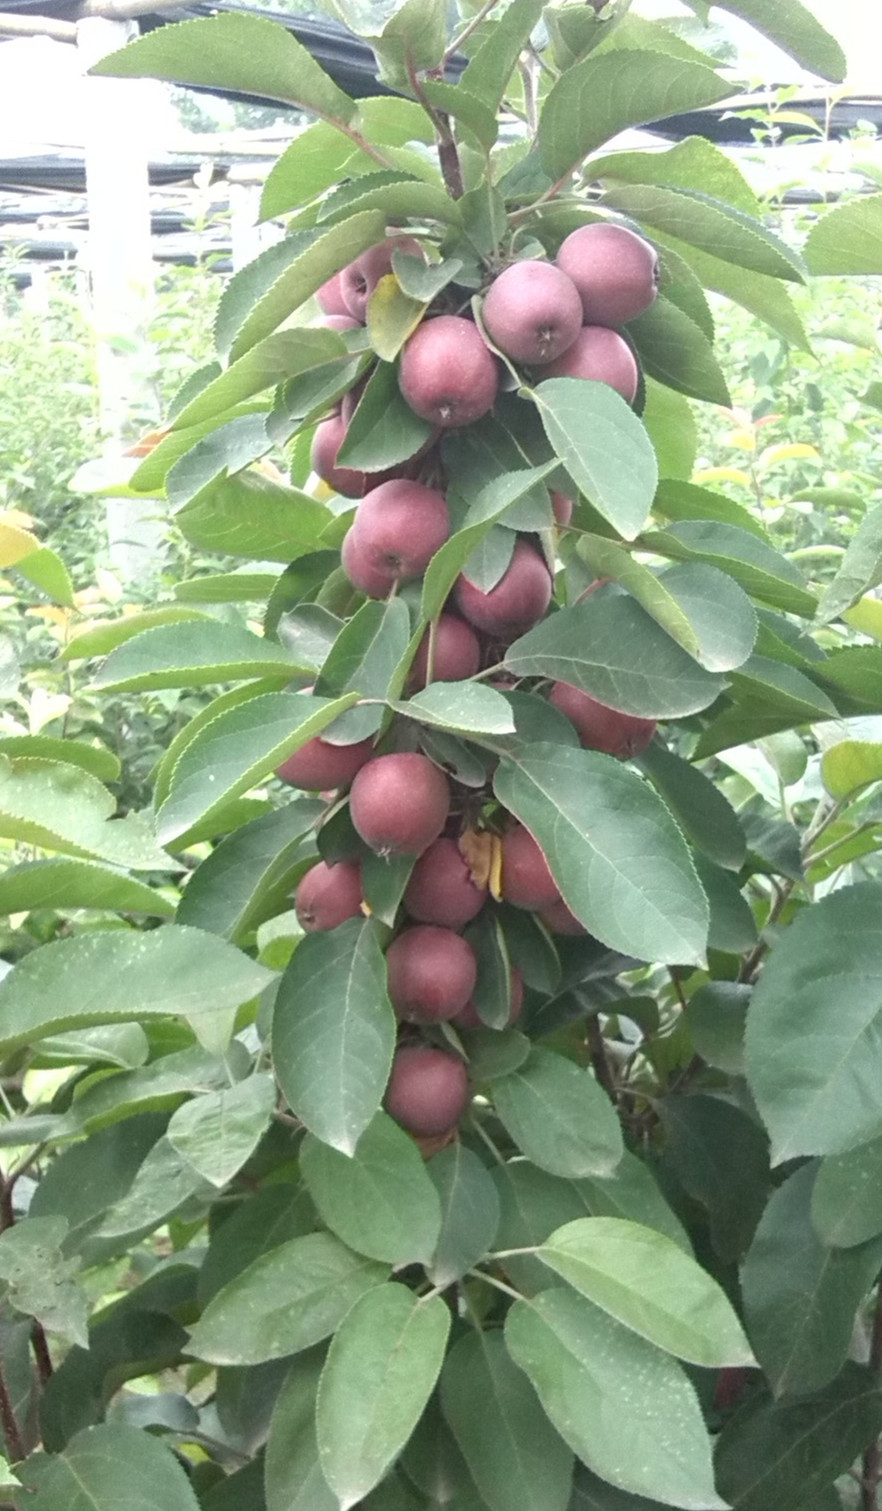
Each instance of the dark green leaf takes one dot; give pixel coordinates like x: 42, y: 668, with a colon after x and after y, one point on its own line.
x: 77, y: 884
x: 92, y: 1175
x: 515, y: 1457
x: 813, y: 1051
x: 686, y: 501
x: 847, y: 1196
x: 294, y: 1479
x: 762, y: 571
x: 606, y: 93
x: 280, y: 356
x: 40, y: 1281
x: 610, y: 648
x: 380, y: 1371
x: 711, y: 225
x: 192, y: 655
x: 384, y: 429
x: 217, y: 1132
x: 380, y: 1199
x: 800, y: 1297
x: 676, y: 352
x: 260, y: 1223
x: 575, y: 1355
x: 490, y: 68
x: 732, y: 924
x: 603, y: 447
x: 706, y: 817
x: 238, y: 747
x: 647, y: 1283
x: 721, y: 1158
x: 716, y: 1015
x: 466, y: 707
x: 334, y: 1033
x: 249, y: 875
x: 364, y: 659
x: 106, y: 1467
x: 119, y: 975
x: 241, y: 52
x: 782, y: 1454
x: 616, y: 854
x: 469, y: 1212
x: 284, y: 1301
x: 252, y: 515
x: 558, y: 1116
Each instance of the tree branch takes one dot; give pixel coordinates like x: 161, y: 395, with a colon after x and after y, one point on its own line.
x: 872, y: 1460
x: 12, y: 25
x: 14, y: 1443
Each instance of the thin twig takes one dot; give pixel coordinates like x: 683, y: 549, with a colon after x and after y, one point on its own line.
x: 599, y: 1060
x: 448, y: 156
x: 14, y: 1443
x: 471, y: 26
x: 40, y: 1345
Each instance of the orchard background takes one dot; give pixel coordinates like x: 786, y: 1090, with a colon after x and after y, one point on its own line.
x: 604, y: 901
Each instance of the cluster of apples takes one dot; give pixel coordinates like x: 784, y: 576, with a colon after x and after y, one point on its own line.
x: 400, y: 802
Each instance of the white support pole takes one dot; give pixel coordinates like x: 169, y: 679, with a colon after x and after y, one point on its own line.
x: 117, y: 113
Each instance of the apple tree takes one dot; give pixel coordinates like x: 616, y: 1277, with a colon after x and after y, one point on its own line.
x: 470, y: 1088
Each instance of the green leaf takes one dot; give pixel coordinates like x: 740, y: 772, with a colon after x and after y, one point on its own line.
x: 847, y: 1196
x: 670, y: 424
x: 334, y: 1032
x: 465, y: 707
x: 756, y: 292
x: 99, y: 762
x: 781, y: 1454
x: 487, y: 505
x: 116, y: 976
x: 77, y: 884
x: 850, y: 765
x: 608, y: 559
x: 469, y: 1212
x: 760, y: 569
x: 242, y: 320
x: 397, y: 193
x: 859, y: 570
x: 380, y: 1371
x: 259, y: 1224
x: 493, y: 62
x: 41, y: 1281
x: 384, y: 429
x: 705, y: 816
x: 280, y: 356
x: 284, y: 1301
x: 293, y: 1479
x: 715, y: 1016
x: 794, y: 28
x: 322, y: 156
x: 241, y: 52
x: 104, y: 1100
x: 646, y: 1282
x: 94, y: 1174
x: 848, y: 238
x: 364, y: 659
x: 693, y: 163
x: 720, y: 1156
x: 813, y: 1052
x: 614, y: 850
x: 61, y: 807
x: 686, y: 501
x: 106, y: 1467
x: 855, y: 675
x: 162, y: 1184
x: 675, y: 351
x: 800, y: 1297
x: 217, y: 1132
x: 380, y: 1200
x: 575, y: 1355
x: 47, y: 572
x: 237, y: 748
x: 608, y: 92
x: 240, y: 586
x: 610, y: 648
x: 603, y: 447
x: 711, y: 225
x: 558, y: 1116
x: 193, y: 655
x: 249, y: 875
x: 514, y: 1455
x: 105, y: 636
x: 250, y: 515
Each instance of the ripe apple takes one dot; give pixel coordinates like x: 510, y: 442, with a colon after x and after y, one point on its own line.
x: 532, y: 312
x: 516, y: 603
x: 602, y: 355
x: 600, y: 727
x: 432, y: 973
x: 328, y: 895
x: 441, y: 889
x: 399, y: 803
x: 447, y: 373
x: 428, y: 1090
x: 615, y: 271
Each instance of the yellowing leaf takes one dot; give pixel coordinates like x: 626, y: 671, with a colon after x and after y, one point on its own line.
x: 392, y: 316
x: 721, y: 475
x: 794, y: 451
x: 745, y: 440
x: 866, y: 616
x: 15, y: 543
x: 477, y: 851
